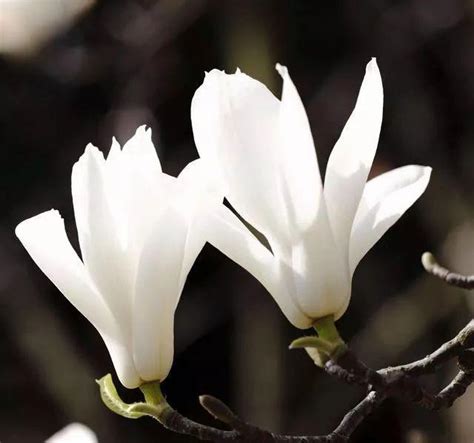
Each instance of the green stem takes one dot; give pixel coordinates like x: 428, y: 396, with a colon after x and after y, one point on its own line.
x: 326, y: 329
x: 152, y: 393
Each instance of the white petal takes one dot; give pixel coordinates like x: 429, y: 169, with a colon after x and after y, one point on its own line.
x: 140, y: 147
x: 298, y: 162
x: 74, y: 433
x: 157, y: 293
x: 122, y: 359
x: 319, y: 273
x: 385, y: 200
x: 198, y: 194
x: 99, y: 237
x: 45, y: 239
x: 118, y: 191
x: 199, y: 177
x: 351, y: 159
x: 228, y: 234
x: 147, y: 190
x: 235, y: 124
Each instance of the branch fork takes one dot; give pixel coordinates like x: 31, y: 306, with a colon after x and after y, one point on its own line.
x: 330, y: 352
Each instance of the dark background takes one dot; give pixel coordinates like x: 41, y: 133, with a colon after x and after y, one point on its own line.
x: 123, y: 63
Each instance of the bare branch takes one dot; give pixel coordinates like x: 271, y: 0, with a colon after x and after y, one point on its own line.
x: 454, y: 390
x: 354, y: 418
x: 449, y: 350
x: 433, y: 267
x: 400, y: 382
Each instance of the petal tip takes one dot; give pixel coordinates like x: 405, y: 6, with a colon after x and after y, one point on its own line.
x: 282, y: 70
x: 427, y: 170
x: 143, y: 130
x: 23, y: 226
x: 372, y: 66
x: 424, y: 171
x: 91, y: 152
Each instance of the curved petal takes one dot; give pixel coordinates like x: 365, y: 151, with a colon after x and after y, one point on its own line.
x: 298, y: 163
x: 351, y: 159
x: 99, y: 238
x: 235, y: 124
x: 123, y: 362
x: 199, y: 186
x: 199, y: 194
x: 45, y: 239
x: 318, y: 271
x: 157, y: 292
x: 228, y: 234
x: 385, y: 200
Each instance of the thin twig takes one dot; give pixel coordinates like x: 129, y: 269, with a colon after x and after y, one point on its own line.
x: 452, y: 278
x: 449, y: 350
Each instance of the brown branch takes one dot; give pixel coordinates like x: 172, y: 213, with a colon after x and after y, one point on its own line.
x: 400, y: 381
x: 354, y: 418
x: 176, y: 422
x: 449, y: 350
x: 452, y: 278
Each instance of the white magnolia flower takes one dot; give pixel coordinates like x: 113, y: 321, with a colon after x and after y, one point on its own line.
x: 263, y: 151
x: 73, y: 433
x: 139, y: 236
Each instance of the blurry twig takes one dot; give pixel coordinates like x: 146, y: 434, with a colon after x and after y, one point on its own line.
x: 452, y: 278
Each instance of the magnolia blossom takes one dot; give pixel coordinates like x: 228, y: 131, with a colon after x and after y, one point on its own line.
x: 73, y: 433
x: 263, y: 153
x: 139, y: 235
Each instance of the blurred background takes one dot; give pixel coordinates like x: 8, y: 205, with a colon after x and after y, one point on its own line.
x: 79, y: 71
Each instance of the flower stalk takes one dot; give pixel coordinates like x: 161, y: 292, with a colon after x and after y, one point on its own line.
x: 327, y: 345
x: 152, y: 393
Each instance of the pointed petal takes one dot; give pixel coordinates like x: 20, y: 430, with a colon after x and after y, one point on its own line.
x: 351, y: 159
x: 99, y: 237
x: 228, y: 234
x: 299, y: 165
x: 117, y: 189
x: 114, y: 152
x: 385, y: 200
x: 157, y: 293
x: 147, y: 190
x: 45, y: 239
x: 235, y: 124
x: 140, y: 147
